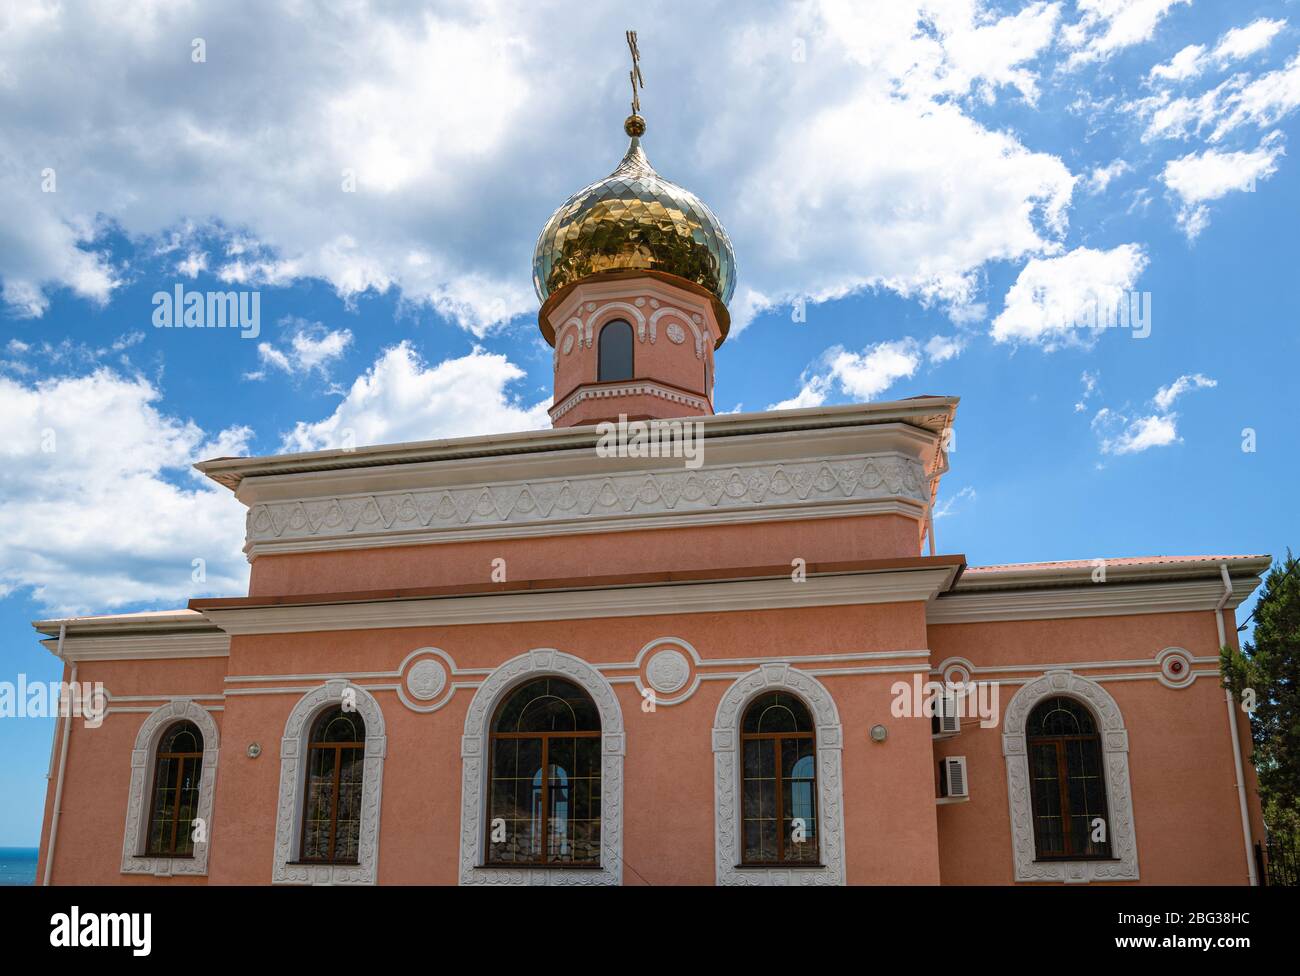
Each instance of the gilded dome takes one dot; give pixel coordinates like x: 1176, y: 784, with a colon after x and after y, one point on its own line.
x: 634, y: 219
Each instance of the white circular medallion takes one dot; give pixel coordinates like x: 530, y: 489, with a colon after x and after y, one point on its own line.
x: 426, y: 679
x: 676, y: 333
x: 667, y: 671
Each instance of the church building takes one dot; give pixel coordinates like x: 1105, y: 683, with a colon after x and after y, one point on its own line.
x: 652, y: 645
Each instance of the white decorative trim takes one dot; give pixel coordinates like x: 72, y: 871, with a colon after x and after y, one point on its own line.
x: 1176, y: 667
x: 143, y: 765
x: 631, y: 388
x: 380, y: 516
x: 623, y: 601
x: 144, y: 647
x: 727, y: 780
x: 475, y: 750
x: 288, y: 816
x: 1119, y: 798
x: 1090, y: 600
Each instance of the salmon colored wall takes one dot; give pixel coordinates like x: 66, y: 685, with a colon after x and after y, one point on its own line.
x: 602, y: 554
x: 97, y: 780
x: 888, y: 793
x: 1181, y: 770
x: 639, y: 407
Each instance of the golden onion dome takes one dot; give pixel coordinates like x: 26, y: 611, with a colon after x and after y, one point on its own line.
x: 634, y: 219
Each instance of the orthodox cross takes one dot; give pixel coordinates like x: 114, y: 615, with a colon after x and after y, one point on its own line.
x: 635, y: 74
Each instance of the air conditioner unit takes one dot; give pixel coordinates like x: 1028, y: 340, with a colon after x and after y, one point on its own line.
x: 952, y: 777
x: 945, y: 720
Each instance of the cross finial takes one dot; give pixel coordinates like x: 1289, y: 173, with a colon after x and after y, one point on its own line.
x: 635, y: 125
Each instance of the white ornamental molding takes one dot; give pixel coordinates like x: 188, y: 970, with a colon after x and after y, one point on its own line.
x: 1119, y: 798
x: 474, y: 752
x: 288, y: 817
x: 143, y: 765
x: 636, y: 388
x: 727, y: 779
x: 524, y: 503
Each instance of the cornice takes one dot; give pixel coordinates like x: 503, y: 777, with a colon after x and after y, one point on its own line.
x: 650, y: 388
x: 143, y: 647
x: 676, y: 598
x: 1089, y: 600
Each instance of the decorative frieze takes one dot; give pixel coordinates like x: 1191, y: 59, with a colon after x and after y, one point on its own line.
x: 665, y: 492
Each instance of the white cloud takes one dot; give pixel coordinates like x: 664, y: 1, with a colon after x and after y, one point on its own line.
x: 940, y: 349
x: 946, y: 507
x: 1089, y: 380
x: 1120, y: 434
x: 1234, y: 45
x: 1240, y: 100
x: 1052, y: 294
x: 1187, y: 63
x: 312, y: 348
x: 860, y: 376
x: 193, y: 263
x: 1166, y: 395
x: 1102, y: 176
x: 1141, y: 434
x: 100, y: 508
x: 1242, y: 42
x: 401, y: 399
x: 459, y: 153
x: 1108, y: 26
x: 1209, y: 175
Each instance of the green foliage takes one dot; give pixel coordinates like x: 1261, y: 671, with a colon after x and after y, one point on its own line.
x: 1267, y: 668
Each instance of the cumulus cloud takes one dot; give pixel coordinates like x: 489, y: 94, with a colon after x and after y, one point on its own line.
x: 1102, y: 176
x: 1166, y: 395
x: 1118, y: 433
x: 311, y: 348
x: 99, y: 506
x: 400, y: 398
x: 857, y: 375
x: 940, y: 349
x: 1053, y: 296
x: 1210, y: 175
x: 1108, y: 26
x: 1239, y: 101
x: 421, y: 150
x: 1234, y: 45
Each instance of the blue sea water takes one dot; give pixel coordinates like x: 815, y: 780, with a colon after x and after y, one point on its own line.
x: 17, y: 865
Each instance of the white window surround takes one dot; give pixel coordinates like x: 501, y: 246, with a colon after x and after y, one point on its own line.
x: 474, y: 751
x: 727, y: 780
x: 288, y: 818
x: 143, y: 765
x: 1119, y: 798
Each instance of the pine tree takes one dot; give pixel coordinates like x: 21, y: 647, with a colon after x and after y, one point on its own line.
x: 1267, y: 672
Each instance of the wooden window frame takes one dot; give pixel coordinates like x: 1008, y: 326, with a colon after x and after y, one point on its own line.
x: 780, y: 794
x: 1063, y: 786
x: 337, y: 748
x: 159, y: 756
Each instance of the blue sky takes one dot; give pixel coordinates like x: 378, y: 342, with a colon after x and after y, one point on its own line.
x: 944, y: 186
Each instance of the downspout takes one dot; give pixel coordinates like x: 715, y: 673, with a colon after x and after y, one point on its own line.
x: 1236, y: 740
x: 63, y: 762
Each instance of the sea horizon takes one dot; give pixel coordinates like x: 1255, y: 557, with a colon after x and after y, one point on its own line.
x: 18, y: 866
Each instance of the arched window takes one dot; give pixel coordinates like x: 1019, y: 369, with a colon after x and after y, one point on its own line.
x: 615, y: 352
x: 1067, y: 781
x: 331, y: 820
x: 178, y: 773
x: 779, y: 788
x: 544, y: 791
